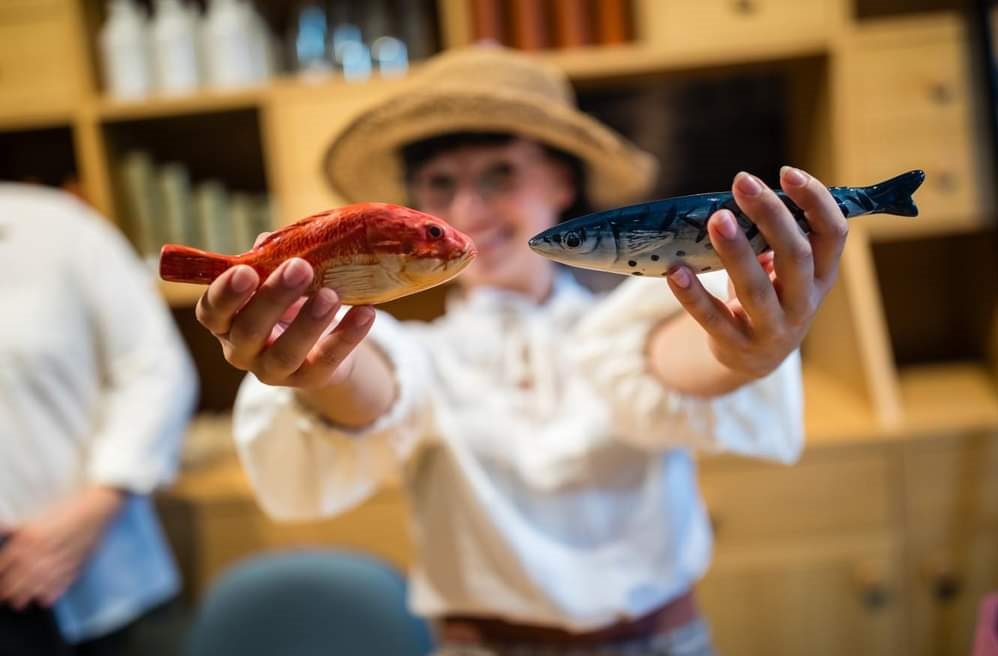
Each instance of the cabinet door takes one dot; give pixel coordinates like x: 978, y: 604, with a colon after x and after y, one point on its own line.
x: 810, y: 598
x: 949, y: 576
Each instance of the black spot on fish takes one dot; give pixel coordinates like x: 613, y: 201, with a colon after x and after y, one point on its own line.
x: 631, y: 263
x: 636, y: 273
x: 680, y: 253
x: 709, y: 246
x: 706, y: 268
x: 654, y: 258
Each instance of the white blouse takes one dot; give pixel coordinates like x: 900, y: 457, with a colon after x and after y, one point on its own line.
x: 95, y: 387
x: 550, y: 475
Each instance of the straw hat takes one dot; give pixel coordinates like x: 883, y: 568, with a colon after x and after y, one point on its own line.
x: 482, y: 89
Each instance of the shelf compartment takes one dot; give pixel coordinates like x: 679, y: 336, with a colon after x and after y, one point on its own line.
x: 940, y: 300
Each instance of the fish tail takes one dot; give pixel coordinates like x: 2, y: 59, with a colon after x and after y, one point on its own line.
x: 185, y: 264
x: 894, y: 196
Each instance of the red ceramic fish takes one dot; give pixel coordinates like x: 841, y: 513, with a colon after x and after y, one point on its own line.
x: 367, y: 252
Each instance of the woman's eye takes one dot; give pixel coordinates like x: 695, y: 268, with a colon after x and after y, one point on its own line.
x: 435, y: 232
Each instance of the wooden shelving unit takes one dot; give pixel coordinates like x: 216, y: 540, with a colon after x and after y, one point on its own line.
x: 871, y: 88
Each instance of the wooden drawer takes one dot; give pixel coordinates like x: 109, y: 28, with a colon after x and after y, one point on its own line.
x: 913, y: 71
x: 952, y: 195
x: 713, y: 25
x: 908, y: 103
x: 819, y: 497
x: 40, y: 58
x: 951, y: 484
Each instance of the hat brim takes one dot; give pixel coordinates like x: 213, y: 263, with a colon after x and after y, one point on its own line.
x: 363, y: 162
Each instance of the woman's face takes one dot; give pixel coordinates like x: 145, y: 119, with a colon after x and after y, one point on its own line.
x: 500, y: 196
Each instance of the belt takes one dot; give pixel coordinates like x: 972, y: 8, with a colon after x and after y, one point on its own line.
x: 463, y: 629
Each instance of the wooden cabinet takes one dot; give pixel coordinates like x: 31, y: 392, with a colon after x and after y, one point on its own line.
x: 41, y: 59
x: 952, y: 516
x: 908, y: 102
x: 808, y: 559
x: 949, y: 574
x: 685, y: 26
x: 827, y: 597
x: 824, y: 496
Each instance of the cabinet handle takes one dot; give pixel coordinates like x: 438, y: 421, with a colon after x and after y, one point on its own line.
x: 874, y: 591
x: 876, y: 596
x: 715, y: 522
x: 744, y: 7
x: 946, y: 587
x: 946, y: 182
x: 941, y: 93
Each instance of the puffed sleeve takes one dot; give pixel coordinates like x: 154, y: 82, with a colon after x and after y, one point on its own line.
x: 302, y: 467
x: 763, y: 418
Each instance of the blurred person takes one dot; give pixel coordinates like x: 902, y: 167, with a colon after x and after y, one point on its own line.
x: 96, y: 387
x: 544, y: 434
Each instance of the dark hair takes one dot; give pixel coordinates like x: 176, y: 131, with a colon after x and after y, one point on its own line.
x: 417, y: 153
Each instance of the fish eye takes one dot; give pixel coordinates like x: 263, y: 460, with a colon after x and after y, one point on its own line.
x: 434, y: 231
x: 572, y: 240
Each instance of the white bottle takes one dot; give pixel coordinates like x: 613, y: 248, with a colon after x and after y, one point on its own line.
x: 228, y: 45
x: 260, y: 37
x: 175, y: 48
x: 124, y: 52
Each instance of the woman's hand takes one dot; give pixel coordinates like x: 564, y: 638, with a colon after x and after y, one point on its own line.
x: 774, y: 297
x: 42, y: 557
x: 274, y: 332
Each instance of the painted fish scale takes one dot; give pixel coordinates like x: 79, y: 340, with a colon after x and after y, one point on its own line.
x: 652, y: 238
x: 337, y: 236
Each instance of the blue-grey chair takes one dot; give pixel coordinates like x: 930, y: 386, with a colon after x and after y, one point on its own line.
x: 309, y: 603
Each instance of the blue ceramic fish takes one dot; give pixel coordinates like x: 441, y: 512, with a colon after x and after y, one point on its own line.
x: 650, y: 238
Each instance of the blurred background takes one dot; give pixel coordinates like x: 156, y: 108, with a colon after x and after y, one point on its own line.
x: 205, y: 122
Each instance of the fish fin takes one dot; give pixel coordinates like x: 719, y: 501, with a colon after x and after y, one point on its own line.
x: 894, y: 196
x: 357, y: 283
x: 185, y: 264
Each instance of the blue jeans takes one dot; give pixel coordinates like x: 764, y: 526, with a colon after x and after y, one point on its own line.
x: 691, y: 639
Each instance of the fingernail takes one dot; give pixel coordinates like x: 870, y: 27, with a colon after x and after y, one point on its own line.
x: 366, y: 319
x: 747, y: 184
x: 295, y: 273
x: 681, y: 277
x: 241, y: 280
x: 323, y: 302
x: 793, y: 177
x: 726, y: 224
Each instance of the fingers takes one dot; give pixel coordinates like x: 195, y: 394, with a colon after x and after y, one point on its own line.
x: 793, y: 261
x: 288, y: 352
x: 752, y: 284
x: 828, y: 225
x: 219, y: 304
x: 709, y: 311
x: 251, y: 329
x: 329, y: 354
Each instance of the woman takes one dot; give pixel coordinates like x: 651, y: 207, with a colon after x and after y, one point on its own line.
x: 95, y: 390
x: 543, y: 434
